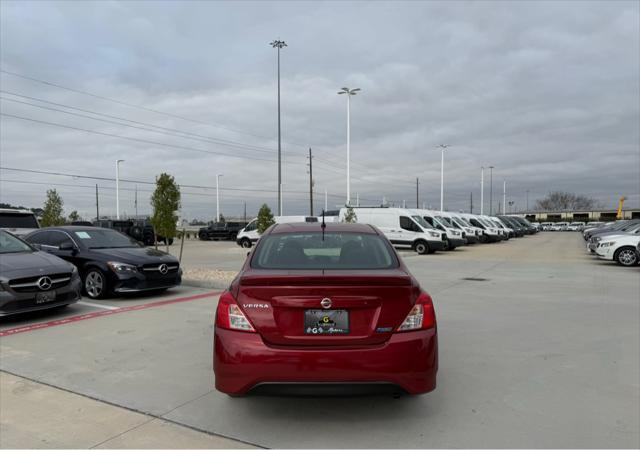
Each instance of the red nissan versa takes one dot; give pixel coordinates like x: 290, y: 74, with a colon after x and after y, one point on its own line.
x: 323, y: 306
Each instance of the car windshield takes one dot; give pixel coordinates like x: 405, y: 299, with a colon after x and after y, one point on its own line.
x: 311, y: 250
x: 11, y: 244
x: 446, y: 222
x: 485, y: 222
x: 18, y: 220
x: 458, y: 222
x: 103, y: 238
x: 423, y: 223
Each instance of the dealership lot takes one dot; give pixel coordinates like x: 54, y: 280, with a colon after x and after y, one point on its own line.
x: 539, y: 347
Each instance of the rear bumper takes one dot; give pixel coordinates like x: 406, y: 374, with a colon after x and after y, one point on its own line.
x: 242, y: 361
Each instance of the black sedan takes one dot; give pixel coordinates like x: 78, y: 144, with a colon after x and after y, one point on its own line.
x: 109, y: 261
x: 31, y: 280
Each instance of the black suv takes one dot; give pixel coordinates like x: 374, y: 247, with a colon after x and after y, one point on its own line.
x: 221, y: 231
x: 139, y: 229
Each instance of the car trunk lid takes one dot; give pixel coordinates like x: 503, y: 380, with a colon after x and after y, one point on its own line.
x: 375, y: 303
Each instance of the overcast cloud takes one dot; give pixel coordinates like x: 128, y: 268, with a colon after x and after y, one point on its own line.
x: 547, y: 92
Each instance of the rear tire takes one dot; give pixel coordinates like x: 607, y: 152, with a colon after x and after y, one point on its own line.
x: 203, y: 236
x: 421, y: 247
x: 245, y: 243
x: 626, y: 256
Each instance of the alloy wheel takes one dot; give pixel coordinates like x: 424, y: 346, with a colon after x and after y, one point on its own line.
x: 94, y: 284
x: 627, y: 257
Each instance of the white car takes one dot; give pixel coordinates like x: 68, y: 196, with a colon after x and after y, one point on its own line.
x: 546, y: 226
x: 575, y: 226
x: 620, y: 248
x: 559, y: 226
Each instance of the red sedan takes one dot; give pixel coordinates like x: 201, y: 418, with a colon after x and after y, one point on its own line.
x: 325, y: 305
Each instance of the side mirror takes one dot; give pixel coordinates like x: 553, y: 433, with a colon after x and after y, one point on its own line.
x: 66, y: 246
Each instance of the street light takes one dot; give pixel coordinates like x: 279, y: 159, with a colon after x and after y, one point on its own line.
x: 118, y: 161
x: 349, y: 93
x: 218, y: 197
x: 481, y: 191
x: 279, y: 45
x: 491, y: 190
x: 443, y: 147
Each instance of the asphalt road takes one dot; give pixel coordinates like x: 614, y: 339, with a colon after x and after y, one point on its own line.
x: 539, y: 347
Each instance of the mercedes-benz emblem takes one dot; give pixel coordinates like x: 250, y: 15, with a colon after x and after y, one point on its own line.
x: 44, y: 283
x: 163, y: 269
x: 325, y: 303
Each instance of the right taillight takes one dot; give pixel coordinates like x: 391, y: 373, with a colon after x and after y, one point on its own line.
x: 421, y: 316
x: 229, y: 315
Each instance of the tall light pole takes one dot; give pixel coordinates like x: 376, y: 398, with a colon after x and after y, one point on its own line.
x: 279, y: 44
x: 349, y: 93
x: 118, y: 161
x: 481, y: 191
x: 491, y: 190
x: 443, y: 147
x: 218, y: 197
x: 504, y: 197
x: 527, y: 200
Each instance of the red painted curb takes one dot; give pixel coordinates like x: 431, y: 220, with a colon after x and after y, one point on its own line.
x: 93, y: 315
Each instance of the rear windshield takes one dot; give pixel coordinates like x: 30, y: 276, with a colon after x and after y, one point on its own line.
x: 336, y: 251
x: 13, y: 220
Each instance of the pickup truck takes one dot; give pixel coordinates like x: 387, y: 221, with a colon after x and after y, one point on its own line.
x: 227, y: 231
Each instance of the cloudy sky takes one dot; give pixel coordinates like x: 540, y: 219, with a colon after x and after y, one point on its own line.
x: 547, y: 92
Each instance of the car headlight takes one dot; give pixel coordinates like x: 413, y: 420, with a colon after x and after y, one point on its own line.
x: 606, y: 244
x: 434, y: 234
x: 456, y: 233
x: 119, y: 267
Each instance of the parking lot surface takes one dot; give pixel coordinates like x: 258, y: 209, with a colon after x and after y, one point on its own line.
x: 539, y: 347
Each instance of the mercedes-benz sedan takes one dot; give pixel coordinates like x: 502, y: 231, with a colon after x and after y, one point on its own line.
x: 325, y: 306
x: 31, y: 280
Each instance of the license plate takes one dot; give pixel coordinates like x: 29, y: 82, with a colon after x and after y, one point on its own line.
x: 45, y: 297
x: 322, y: 321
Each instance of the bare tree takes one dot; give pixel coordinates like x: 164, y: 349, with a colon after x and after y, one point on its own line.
x: 565, y: 201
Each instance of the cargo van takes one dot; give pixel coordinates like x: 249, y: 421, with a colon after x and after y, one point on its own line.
x: 249, y: 234
x: 474, y: 234
x: 404, y: 228
x: 490, y: 232
x: 456, y: 237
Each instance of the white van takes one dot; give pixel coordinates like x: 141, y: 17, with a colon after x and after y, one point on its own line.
x: 474, y: 234
x: 249, y: 234
x: 404, y: 228
x: 456, y: 237
x: 490, y: 232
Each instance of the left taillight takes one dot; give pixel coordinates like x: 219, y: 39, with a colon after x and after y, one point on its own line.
x: 229, y: 315
x: 421, y: 316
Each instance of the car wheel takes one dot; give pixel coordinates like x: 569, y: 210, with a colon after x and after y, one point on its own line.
x: 421, y: 247
x: 447, y: 245
x: 245, y: 243
x: 170, y: 241
x: 626, y: 256
x: 203, y: 236
x: 95, y: 283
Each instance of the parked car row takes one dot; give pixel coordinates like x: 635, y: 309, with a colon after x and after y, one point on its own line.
x: 51, y: 267
x: 423, y: 231
x: 567, y: 226
x: 616, y: 241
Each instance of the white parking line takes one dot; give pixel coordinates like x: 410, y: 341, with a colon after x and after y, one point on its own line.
x: 97, y: 305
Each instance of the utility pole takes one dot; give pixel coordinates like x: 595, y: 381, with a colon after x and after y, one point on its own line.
x: 443, y: 148
x: 404, y: 203
x: 357, y: 198
x: 245, y: 212
x: 97, y: 205
x: 218, y: 197
x: 118, y: 161
x: 136, y: 201
x: 310, y: 183
x: 417, y: 193
x: 491, y: 190
x: 279, y: 45
x: 481, y: 191
x: 527, y: 200
x: 471, y: 205
x: 326, y: 204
